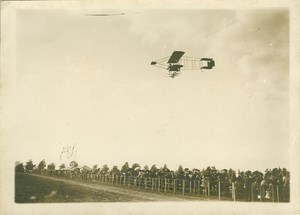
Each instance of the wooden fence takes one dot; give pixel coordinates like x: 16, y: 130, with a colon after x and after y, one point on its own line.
x: 214, y: 189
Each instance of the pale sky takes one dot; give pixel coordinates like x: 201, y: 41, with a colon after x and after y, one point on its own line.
x: 88, y: 80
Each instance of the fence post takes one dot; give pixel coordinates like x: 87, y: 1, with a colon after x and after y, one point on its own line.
x: 158, y: 184
x: 233, y: 191
x: 199, y: 187
x: 260, y: 192
x: 152, y: 185
x: 194, y: 187
x: 139, y: 183
x: 165, y: 185
x: 219, y: 190
x: 190, y: 187
x: 232, y: 184
x: 252, y: 192
x: 174, y: 186
x: 208, y: 188
x: 183, y: 186
x: 277, y: 193
x: 124, y: 180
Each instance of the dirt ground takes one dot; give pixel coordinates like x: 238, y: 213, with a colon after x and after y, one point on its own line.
x: 31, y: 188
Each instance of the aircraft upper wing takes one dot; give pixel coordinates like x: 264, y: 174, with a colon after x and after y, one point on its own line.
x: 175, y: 57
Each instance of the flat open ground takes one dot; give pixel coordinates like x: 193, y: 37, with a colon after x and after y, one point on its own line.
x: 31, y: 188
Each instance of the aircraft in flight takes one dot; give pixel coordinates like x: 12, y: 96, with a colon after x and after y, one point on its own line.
x: 177, y: 62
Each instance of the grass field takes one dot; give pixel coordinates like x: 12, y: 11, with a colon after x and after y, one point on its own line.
x: 31, y: 189
x: 35, y: 189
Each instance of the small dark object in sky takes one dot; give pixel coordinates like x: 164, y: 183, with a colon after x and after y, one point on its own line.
x: 105, y: 14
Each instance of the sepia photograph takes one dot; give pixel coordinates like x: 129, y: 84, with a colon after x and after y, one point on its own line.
x: 149, y: 107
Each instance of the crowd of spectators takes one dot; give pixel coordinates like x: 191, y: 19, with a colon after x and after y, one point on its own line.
x: 272, y: 185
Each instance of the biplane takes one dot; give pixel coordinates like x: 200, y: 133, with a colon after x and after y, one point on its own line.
x: 177, y: 62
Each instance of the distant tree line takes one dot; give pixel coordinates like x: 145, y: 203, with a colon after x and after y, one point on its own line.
x: 30, y: 167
